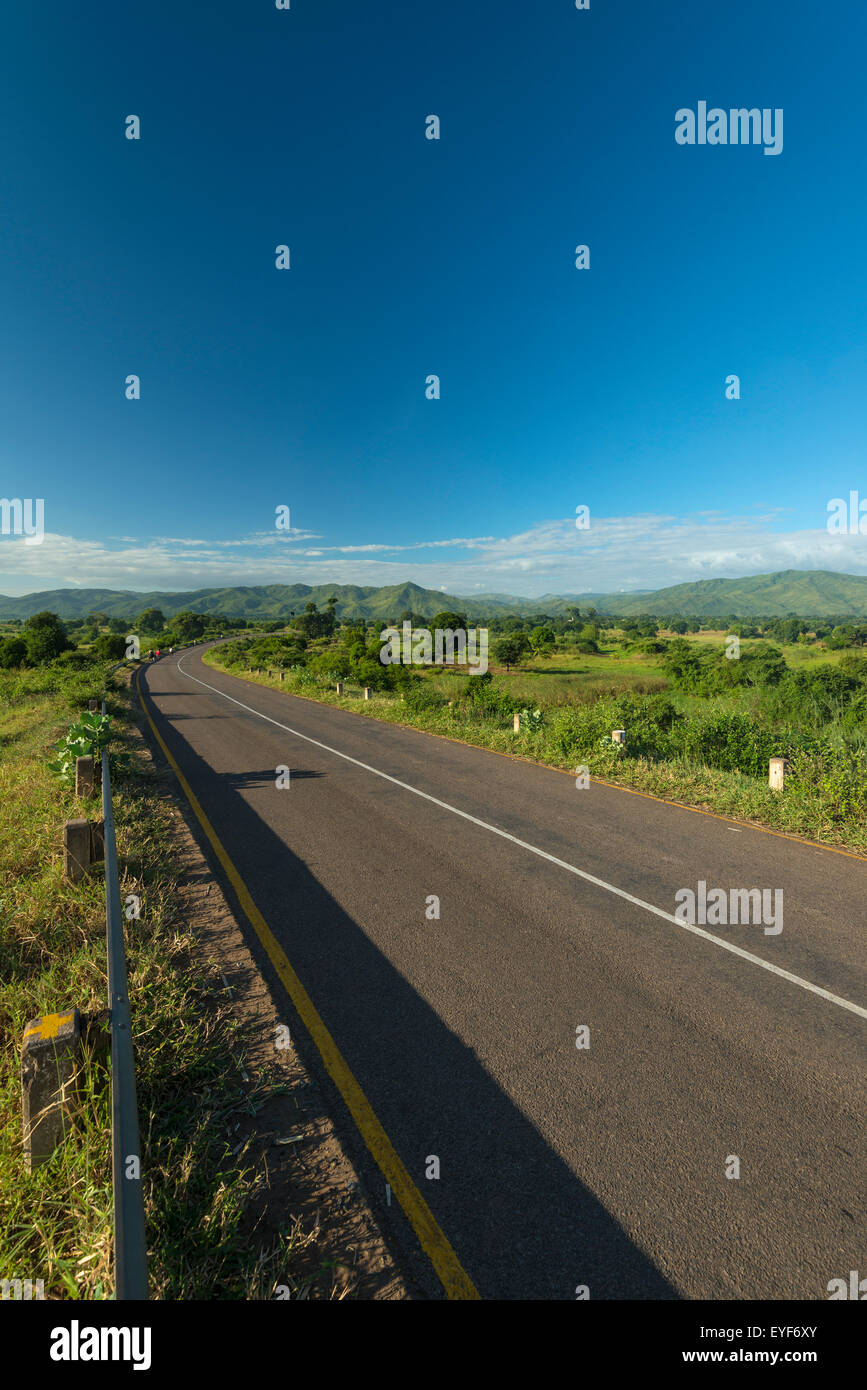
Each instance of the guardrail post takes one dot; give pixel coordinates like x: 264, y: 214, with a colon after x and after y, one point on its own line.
x: 777, y: 773
x: 76, y: 849
x: 97, y: 841
x: 50, y: 1060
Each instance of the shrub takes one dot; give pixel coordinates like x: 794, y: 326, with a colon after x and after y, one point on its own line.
x: 13, y: 652
x: 420, y: 695
x: 87, y: 736
x: 730, y: 741
x: 487, y: 700
x: 335, y: 665
x: 45, y: 636
x: 531, y: 719
x: 109, y: 647
x: 75, y: 661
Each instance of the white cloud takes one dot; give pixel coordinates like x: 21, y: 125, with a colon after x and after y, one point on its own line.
x: 645, y: 552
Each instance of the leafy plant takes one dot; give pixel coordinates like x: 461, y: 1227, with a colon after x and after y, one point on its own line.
x: 618, y: 750
x: 86, y: 737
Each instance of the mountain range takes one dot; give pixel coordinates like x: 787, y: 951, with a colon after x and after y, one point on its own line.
x: 804, y: 593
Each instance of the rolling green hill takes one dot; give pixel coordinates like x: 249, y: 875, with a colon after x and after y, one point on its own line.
x: 805, y: 593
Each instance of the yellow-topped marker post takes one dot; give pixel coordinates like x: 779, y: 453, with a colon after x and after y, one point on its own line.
x: 50, y: 1059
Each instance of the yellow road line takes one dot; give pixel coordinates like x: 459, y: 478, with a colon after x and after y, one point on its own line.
x: 432, y: 1238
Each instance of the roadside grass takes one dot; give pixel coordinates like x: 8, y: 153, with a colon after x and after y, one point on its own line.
x: 822, y: 809
x: 56, y: 1224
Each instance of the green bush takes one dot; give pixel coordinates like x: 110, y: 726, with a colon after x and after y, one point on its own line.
x: 74, y: 661
x: 13, y: 652
x: 419, y: 695
x: 86, y: 737
x: 45, y: 636
x: 487, y: 700
x: 109, y: 647
x: 730, y: 741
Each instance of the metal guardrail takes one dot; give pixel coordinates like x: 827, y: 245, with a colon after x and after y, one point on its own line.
x: 130, y: 1251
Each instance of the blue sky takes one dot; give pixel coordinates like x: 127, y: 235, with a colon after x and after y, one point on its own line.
x: 603, y: 387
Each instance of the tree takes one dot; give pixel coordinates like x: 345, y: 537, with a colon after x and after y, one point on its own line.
x: 151, y: 620
x: 189, y: 626
x: 312, y: 623
x: 449, y: 621
x: 408, y: 616
x: 45, y: 636
x: 13, y: 652
x: 852, y: 664
x: 109, y: 647
x: 119, y: 626
x: 786, y: 629
x: 841, y: 637
x: 509, y: 649
x: 334, y: 663
x: 542, y: 640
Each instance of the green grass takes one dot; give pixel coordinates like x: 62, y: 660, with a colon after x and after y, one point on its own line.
x: 565, y: 677
x: 56, y: 1224
x: 818, y: 802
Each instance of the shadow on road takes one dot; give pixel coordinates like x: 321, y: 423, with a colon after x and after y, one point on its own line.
x: 521, y: 1222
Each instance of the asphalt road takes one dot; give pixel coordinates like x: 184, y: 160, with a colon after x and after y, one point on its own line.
x: 560, y: 1167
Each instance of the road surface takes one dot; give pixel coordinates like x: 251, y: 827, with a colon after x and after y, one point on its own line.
x: 561, y: 1168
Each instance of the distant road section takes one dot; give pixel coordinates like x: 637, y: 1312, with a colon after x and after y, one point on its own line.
x: 586, y: 1093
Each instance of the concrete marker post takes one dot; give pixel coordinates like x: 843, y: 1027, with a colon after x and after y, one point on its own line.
x: 85, y: 784
x: 777, y: 768
x: 517, y: 723
x: 367, y: 692
x: 50, y: 1061
x: 76, y: 849
x: 339, y: 687
x: 618, y: 735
